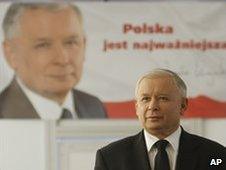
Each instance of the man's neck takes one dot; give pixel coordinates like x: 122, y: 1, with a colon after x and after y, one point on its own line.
x: 162, y: 133
x: 57, y: 97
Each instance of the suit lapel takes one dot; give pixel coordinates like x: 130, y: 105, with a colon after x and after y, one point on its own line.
x: 141, y: 159
x: 79, y: 108
x: 187, y: 154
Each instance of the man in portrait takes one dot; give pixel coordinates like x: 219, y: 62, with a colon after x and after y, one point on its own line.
x: 44, y: 43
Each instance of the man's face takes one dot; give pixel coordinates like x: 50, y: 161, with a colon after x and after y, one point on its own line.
x: 48, y: 52
x: 159, y: 105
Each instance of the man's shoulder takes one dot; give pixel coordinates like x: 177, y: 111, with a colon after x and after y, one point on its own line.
x: 197, y: 151
x: 88, y: 106
x: 3, y: 100
x: 204, y: 143
x: 84, y: 95
x: 14, y: 96
x: 3, y: 94
x: 7, y: 92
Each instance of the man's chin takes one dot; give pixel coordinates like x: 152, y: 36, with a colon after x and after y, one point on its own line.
x: 62, y: 79
x: 154, y: 126
x: 65, y: 85
x: 58, y: 90
x: 61, y: 90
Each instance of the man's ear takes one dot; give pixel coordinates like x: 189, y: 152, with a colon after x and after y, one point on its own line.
x: 136, y: 107
x: 84, y: 40
x: 84, y: 43
x: 184, y: 105
x: 8, y: 49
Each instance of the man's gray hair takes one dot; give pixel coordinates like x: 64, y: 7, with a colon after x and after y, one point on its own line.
x: 162, y: 72
x: 10, y: 23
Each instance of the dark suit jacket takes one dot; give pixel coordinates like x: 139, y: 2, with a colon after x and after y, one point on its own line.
x: 15, y: 104
x: 195, y: 153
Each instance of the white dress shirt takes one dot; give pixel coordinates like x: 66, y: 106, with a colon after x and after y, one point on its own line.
x: 46, y: 108
x: 171, y: 149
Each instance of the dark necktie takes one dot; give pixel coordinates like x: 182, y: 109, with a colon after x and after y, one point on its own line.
x: 66, y: 114
x: 161, y: 158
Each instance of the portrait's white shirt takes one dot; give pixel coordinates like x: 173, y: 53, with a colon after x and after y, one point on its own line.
x: 48, y: 109
x: 171, y: 149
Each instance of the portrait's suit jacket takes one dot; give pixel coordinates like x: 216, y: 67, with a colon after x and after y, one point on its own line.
x: 15, y: 104
x: 195, y: 153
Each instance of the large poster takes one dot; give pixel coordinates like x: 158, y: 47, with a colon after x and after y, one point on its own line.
x: 126, y: 40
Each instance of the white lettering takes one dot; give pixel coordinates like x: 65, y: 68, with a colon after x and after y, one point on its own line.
x: 219, y: 161
x: 212, y: 162
x: 215, y: 162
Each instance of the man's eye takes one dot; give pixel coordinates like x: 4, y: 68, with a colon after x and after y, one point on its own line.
x: 143, y: 99
x: 42, y: 45
x: 163, y: 98
x: 71, y: 42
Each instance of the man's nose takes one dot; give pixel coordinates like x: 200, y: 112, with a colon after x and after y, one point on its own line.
x: 153, y: 105
x: 62, y: 56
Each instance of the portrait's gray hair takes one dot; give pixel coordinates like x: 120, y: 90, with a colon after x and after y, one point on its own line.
x: 10, y: 23
x: 162, y: 72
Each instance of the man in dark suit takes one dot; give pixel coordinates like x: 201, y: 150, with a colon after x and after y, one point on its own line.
x: 163, y: 144
x: 45, y: 45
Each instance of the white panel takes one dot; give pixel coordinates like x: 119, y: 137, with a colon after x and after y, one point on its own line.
x: 22, y: 145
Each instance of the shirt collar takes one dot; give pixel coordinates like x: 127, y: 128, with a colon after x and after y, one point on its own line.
x: 173, y: 139
x: 46, y: 108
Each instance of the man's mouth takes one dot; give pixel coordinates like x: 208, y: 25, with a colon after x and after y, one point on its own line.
x: 154, y: 118
x: 61, y: 76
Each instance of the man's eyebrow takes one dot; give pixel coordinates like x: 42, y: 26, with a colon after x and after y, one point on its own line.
x: 72, y: 37
x: 163, y: 94
x: 42, y: 39
x: 145, y: 94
